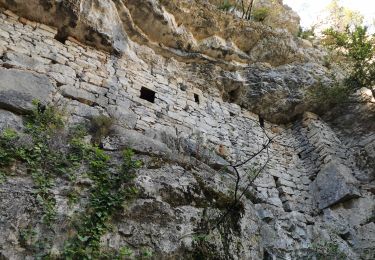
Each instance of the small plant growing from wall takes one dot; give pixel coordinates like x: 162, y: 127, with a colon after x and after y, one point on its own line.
x: 327, y: 250
x: 100, y: 127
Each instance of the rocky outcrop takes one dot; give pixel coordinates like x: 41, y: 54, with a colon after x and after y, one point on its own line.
x: 199, y: 33
x: 188, y: 118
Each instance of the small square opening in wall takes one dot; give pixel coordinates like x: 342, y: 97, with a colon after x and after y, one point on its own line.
x: 147, y: 94
x: 196, y: 98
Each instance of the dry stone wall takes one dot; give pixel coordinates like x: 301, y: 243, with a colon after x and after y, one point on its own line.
x: 159, y: 108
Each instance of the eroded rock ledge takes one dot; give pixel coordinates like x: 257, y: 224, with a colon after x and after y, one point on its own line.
x: 315, y: 189
x: 203, y: 38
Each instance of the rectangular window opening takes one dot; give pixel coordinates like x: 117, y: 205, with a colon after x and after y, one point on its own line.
x: 196, y: 98
x: 147, y: 94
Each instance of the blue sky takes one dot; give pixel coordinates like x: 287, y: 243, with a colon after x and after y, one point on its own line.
x: 308, y: 10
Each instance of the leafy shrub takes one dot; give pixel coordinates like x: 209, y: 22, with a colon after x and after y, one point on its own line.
x: 6, y: 147
x: 43, y: 121
x: 325, y: 97
x: 260, y: 14
x: 100, y: 127
x: 41, y: 161
x: 357, y: 48
x: 225, y: 6
x: 306, y: 34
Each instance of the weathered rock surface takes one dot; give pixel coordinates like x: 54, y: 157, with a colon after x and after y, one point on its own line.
x: 188, y: 128
x: 18, y: 89
x: 335, y: 184
x: 198, y: 33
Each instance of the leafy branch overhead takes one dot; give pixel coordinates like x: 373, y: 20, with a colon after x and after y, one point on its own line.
x: 357, y: 47
x: 354, y: 52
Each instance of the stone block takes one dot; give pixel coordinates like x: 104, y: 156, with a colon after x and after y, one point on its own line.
x: 123, y: 117
x: 19, y: 60
x: 335, y: 183
x: 19, y: 88
x: 124, y: 138
x: 78, y: 94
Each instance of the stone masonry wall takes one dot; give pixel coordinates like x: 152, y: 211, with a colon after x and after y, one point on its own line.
x: 89, y: 82
x: 291, y: 192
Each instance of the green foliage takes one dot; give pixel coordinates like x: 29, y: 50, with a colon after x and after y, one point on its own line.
x: 73, y: 197
x: 325, y: 97
x: 306, y: 34
x: 125, y: 252
x: 100, y: 127
x: 43, y: 121
x: 6, y: 149
x: 328, y: 250
x: 44, y: 161
x: 260, y: 14
x: 41, y: 161
x: 341, y: 17
x: 146, y: 253
x: 106, y: 197
x: 201, y: 237
x: 225, y: 6
x: 358, y: 49
x: 27, y: 236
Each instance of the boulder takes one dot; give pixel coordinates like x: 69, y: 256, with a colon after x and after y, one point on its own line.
x: 19, y: 88
x: 335, y: 184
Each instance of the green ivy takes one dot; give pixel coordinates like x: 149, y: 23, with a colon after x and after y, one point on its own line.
x: 6, y: 148
x: 49, y: 154
x: 111, y: 188
x: 41, y: 161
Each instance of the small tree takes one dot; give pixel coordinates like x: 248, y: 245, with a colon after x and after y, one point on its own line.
x: 357, y: 47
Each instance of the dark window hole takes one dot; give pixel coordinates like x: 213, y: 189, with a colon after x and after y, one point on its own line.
x: 276, y: 180
x: 196, y: 98
x: 300, y: 156
x: 147, y: 94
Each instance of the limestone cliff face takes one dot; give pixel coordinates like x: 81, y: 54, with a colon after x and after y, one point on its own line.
x: 206, y: 77
x: 198, y: 33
